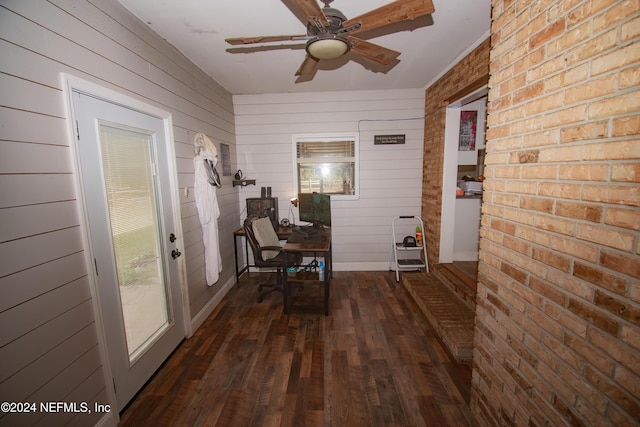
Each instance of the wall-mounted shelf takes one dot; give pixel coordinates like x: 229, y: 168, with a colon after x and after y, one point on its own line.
x: 243, y: 182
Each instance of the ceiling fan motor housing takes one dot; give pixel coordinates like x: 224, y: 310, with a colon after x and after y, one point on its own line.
x: 335, y: 18
x: 334, y: 43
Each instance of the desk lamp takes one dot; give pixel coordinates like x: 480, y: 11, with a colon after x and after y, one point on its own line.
x: 294, y: 203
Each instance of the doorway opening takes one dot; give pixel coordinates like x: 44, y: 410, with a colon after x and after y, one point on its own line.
x: 462, y: 186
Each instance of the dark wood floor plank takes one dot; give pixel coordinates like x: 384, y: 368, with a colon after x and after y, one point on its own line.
x: 391, y: 408
x: 374, y: 361
x: 358, y: 404
x: 430, y: 410
x: 237, y: 409
x: 339, y: 388
x: 314, y: 396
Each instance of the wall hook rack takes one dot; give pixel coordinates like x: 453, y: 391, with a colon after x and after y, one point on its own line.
x: 243, y: 182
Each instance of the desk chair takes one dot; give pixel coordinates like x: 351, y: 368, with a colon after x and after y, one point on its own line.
x: 267, y: 252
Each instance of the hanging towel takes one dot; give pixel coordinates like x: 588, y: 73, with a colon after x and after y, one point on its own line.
x: 204, y: 164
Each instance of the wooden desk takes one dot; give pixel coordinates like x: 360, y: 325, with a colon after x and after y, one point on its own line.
x: 283, y: 234
x: 318, y: 244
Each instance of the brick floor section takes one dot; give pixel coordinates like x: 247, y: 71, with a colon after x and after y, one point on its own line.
x: 451, y: 317
x: 465, y: 288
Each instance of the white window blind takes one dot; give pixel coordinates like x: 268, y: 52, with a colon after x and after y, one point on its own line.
x: 322, y: 151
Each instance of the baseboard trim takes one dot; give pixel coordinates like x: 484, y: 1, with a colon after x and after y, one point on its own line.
x: 465, y: 256
x: 108, y: 420
x: 361, y: 266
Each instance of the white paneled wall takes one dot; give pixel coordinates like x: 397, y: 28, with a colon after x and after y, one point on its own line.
x: 390, y: 175
x: 48, y: 342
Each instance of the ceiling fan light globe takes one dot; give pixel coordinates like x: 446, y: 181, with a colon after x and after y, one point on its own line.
x: 327, y: 48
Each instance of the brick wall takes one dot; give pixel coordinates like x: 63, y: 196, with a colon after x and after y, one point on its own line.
x: 557, y: 338
x: 473, y: 67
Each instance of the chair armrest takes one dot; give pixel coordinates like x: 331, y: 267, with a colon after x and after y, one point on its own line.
x: 270, y: 248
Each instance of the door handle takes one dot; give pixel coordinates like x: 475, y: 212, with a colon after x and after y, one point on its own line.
x: 172, y: 237
x: 175, y: 253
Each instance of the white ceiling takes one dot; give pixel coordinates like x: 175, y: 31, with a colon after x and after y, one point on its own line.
x: 198, y: 28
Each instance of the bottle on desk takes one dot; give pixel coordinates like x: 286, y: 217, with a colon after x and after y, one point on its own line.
x: 321, y: 269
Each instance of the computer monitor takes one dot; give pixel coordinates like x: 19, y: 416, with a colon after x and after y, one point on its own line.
x: 315, y: 208
x: 264, y: 206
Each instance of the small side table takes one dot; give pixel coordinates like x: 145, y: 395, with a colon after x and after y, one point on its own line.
x: 321, y: 245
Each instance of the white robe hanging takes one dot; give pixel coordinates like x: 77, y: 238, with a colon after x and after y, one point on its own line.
x: 208, y: 210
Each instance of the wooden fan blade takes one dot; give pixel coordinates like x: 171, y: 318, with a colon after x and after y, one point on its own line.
x: 396, y: 11
x: 372, y: 51
x: 311, y: 11
x: 308, y: 67
x: 263, y: 39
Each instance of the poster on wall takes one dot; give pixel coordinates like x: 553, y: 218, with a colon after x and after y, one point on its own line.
x: 468, y: 123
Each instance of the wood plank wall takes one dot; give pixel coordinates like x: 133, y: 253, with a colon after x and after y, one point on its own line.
x: 390, y: 175
x: 49, y: 352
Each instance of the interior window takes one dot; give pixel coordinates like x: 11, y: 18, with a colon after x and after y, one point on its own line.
x: 327, y: 165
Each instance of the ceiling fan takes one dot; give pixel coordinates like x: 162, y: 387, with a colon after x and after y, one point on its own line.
x: 330, y: 33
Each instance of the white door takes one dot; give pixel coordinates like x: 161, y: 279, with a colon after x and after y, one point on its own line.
x: 125, y: 178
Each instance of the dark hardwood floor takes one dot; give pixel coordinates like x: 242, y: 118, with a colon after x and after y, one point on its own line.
x: 374, y: 361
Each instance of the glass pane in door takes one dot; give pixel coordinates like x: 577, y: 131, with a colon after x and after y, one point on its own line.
x: 130, y: 181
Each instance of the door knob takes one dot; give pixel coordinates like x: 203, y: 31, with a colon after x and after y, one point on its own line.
x: 172, y: 237
x: 175, y: 253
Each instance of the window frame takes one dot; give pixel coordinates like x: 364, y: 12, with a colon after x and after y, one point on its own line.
x: 329, y: 137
